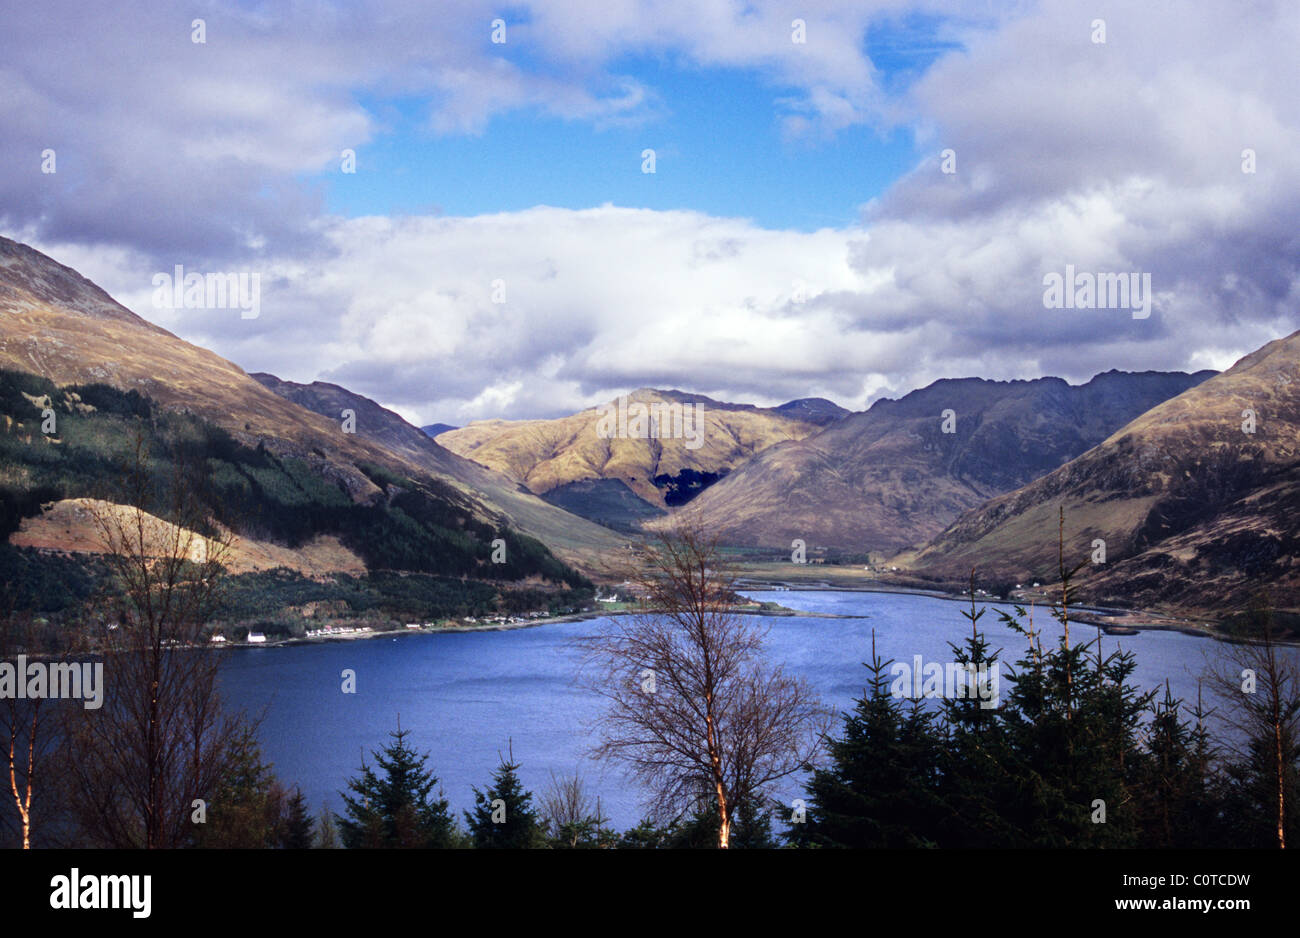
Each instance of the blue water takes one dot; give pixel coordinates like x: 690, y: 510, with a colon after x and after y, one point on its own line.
x: 466, y: 697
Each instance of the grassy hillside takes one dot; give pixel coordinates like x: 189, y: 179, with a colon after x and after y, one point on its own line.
x: 1194, y: 510
x: 407, y: 524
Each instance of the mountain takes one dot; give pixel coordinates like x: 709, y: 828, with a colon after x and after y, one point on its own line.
x: 816, y: 410
x: 434, y: 429
x: 58, y: 325
x: 891, y: 477
x: 662, y: 465
x: 570, y: 534
x: 1194, y: 511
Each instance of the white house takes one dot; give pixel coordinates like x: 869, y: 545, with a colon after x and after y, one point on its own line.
x: 256, y: 638
x: 218, y: 639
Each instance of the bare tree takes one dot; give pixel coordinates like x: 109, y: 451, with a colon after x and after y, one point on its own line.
x: 568, y: 811
x: 694, y: 711
x: 161, y: 741
x: 1259, y: 685
x: 25, y: 735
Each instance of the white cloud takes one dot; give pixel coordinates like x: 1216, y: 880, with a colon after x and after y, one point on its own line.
x: 1124, y: 156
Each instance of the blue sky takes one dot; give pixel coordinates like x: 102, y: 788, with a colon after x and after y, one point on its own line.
x: 718, y: 150
x: 717, y: 135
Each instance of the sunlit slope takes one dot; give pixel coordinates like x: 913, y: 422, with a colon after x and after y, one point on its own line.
x: 1193, y: 509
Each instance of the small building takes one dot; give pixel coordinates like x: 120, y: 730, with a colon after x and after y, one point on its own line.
x: 256, y: 638
x: 218, y: 639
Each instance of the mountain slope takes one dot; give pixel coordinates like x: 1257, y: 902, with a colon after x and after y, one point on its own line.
x: 57, y: 324
x: 571, y: 535
x: 548, y: 454
x: 1194, y: 511
x: 890, y: 477
x: 67, y: 453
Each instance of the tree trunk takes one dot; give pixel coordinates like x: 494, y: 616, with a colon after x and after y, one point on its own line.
x: 724, y: 825
x: 715, y: 764
x: 23, y: 799
x: 1280, y: 765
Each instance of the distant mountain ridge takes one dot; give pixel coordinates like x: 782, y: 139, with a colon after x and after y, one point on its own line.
x: 891, y: 477
x: 816, y: 410
x: 662, y: 470
x: 1193, y: 510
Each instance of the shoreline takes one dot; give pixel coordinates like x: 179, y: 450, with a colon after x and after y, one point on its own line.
x: 1111, y: 621
x: 453, y: 629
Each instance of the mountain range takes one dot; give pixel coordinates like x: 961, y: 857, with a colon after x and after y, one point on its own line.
x: 623, y: 476
x: 1197, y: 502
x: 1187, y: 481
x: 898, y: 473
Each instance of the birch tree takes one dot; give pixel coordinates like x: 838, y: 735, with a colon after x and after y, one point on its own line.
x: 694, y: 711
x: 142, y: 767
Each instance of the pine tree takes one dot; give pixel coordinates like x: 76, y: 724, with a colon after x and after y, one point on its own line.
x: 245, y: 811
x: 395, y: 806
x: 1072, y: 721
x: 503, y: 816
x: 881, y: 789
x: 298, y: 824
x: 647, y: 835
x: 753, y: 828
x: 1177, y: 795
x: 974, y: 755
x: 1251, y: 794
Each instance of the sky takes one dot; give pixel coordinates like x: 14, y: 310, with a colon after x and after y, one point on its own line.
x: 848, y: 199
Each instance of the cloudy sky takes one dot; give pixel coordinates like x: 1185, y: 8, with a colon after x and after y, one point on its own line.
x: 850, y: 216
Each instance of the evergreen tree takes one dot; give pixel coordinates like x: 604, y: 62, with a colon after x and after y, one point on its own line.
x: 246, y: 810
x: 1177, y: 803
x: 647, y: 835
x: 503, y: 816
x: 298, y: 824
x: 974, y: 755
x: 395, y: 806
x: 882, y: 786
x: 753, y: 826
x: 588, y: 833
x: 1072, y: 721
x: 1250, y: 792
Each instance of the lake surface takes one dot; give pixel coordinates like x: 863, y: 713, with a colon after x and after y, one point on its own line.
x: 466, y: 697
